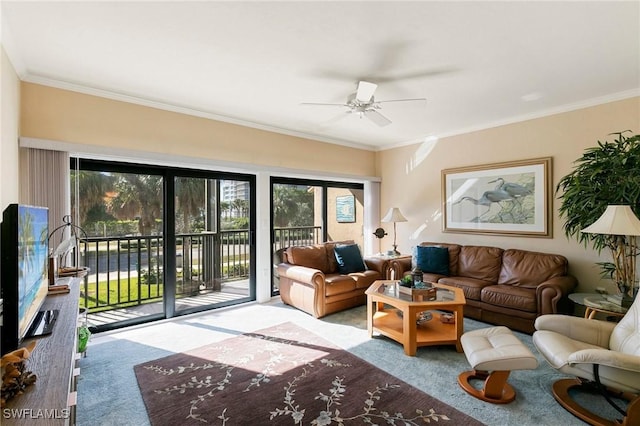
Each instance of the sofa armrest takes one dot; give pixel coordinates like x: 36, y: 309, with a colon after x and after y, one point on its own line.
x: 303, y: 287
x: 552, y: 291
x: 300, y: 274
x: 399, y: 266
x: 378, y: 264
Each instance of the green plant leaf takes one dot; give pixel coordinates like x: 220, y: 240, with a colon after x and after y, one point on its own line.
x: 608, y: 173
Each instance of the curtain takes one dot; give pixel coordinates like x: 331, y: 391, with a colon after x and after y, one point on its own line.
x: 45, y: 181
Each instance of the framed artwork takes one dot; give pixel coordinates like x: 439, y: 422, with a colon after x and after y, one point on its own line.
x: 345, y: 208
x: 512, y: 198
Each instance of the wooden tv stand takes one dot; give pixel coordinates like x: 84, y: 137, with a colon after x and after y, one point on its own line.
x: 51, y: 400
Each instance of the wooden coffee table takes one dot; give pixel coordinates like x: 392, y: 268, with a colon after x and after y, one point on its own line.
x: 394, y: 314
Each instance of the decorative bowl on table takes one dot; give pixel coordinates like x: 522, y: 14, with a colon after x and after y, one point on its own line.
x: 424, y: 317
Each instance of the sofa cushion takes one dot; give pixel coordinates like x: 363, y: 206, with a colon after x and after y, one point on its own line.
x: 364, y: 279
x: 338, y: 284
x: 433, y: 260
x: 349, y: 258
x: 331, y: 255
x: 529, y: 269
x: 480, y: 262
x: 508, y: 296
x: 471, y: 287
x: 454, y: 254
x: 314, y: 256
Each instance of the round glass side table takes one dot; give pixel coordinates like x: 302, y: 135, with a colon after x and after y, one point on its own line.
x: 594, y: 303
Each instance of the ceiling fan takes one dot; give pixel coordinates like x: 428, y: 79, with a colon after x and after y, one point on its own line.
x: 363, y: 103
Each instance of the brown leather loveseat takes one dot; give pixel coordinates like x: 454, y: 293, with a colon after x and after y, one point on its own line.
x: 508, y: 287
x: 310, y: 278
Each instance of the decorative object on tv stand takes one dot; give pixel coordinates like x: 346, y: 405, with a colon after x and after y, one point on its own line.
x: 621, y: 226
x: 15, y: 376
x: 394, y: 215
x: 68, y: 242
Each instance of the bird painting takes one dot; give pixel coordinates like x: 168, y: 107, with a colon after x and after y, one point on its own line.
x: 488, y: 198
x: 505, y: 202
x: 514, y: 189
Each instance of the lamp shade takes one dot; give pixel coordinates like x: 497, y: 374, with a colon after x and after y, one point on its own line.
x: 616, y: 220
x: 394, y: 215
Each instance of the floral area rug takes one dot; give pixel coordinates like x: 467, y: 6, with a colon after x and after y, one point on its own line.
x: 282, y: 375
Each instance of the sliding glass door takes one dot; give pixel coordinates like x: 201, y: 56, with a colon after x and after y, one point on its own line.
x: 162, y: 242
x: 213, y: 242
x: 309, y: 212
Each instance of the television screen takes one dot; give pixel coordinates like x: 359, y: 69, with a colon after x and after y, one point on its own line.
x: 25, y: 253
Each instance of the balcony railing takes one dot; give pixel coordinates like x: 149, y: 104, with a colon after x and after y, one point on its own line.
x: 128, y: 271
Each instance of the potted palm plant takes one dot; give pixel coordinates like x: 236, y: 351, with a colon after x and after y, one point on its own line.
x: 605, y: 175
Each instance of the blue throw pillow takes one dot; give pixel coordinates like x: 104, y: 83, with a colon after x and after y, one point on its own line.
x: 349, y: 259
x: 434, y: 260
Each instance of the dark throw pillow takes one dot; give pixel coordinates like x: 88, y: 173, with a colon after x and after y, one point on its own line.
x: 434, y: 260
x: 349, y: 259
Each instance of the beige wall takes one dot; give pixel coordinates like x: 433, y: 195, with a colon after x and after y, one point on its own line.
x: 411, y: 177
x: 62, y: 115
x: 9, y: 118
x: 345, y: 231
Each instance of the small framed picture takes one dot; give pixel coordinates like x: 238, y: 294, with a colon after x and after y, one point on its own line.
x: 345, y: 208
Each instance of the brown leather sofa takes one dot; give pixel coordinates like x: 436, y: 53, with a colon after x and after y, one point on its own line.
x: 505, y: 287
x: 311, y: 282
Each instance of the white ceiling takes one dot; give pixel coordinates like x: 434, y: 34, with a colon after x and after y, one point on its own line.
x: 478, y: 63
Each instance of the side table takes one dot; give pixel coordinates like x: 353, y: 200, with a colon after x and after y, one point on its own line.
x: 594, y: 303
x: 390, y: 272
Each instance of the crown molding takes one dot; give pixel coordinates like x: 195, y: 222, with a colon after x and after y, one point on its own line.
x: 123, y: 97
x: 59, y: 84
x: 619, y: 96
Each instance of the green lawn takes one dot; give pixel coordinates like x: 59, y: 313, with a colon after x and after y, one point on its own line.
x: 129, y: 291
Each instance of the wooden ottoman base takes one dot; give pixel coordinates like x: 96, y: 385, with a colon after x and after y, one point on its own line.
x: 495, y: 390
x: 493, y: 353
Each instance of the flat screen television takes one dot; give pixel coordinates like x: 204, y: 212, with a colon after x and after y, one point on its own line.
x: 24, y: 273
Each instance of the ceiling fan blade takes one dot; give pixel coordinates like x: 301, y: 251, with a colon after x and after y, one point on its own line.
x: 409, y: 75
x: 377, y: 118
x: 365, y: 91
x: 322, y: 104
x: 403, y: 100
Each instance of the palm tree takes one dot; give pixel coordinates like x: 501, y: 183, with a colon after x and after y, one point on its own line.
x: 27, y: 241
x: 225, y: 209
x: 93, y: 190
x: 138, y: 196
x: 291, y: 205
x: 191, y: 197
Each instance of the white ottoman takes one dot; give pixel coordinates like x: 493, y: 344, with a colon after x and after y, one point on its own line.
x: 493, y: 353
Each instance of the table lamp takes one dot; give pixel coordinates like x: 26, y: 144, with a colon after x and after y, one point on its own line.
x: 394, y: 215
x: 623, y: 226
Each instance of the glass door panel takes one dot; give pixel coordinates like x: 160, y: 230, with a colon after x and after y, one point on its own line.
x: 213, y: 243
x: 310, y: 212
x: 122, y: 216
x: 297, y: 219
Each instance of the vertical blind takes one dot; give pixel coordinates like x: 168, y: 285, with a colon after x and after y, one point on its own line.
x: 45, y: 181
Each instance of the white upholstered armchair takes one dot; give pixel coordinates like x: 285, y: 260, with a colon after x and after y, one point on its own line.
x: 602, y: 355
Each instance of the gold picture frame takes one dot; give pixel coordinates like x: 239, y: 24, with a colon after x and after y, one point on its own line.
x: 511, y: 198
